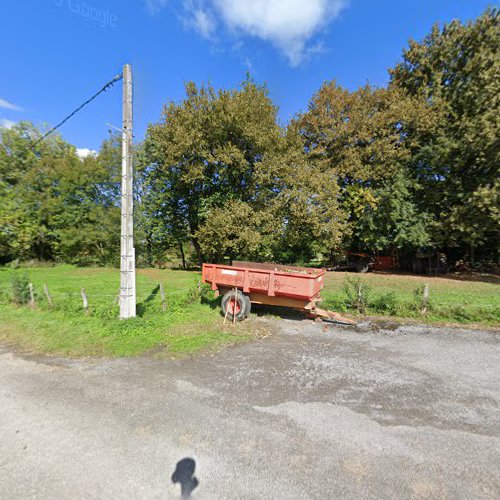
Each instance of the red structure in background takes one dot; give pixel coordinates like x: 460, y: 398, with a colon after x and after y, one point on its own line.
x: 384, y: 263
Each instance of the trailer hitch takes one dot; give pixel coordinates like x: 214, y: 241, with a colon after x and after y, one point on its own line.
x: 334, y: 317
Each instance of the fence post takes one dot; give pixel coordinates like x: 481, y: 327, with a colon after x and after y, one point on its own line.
x: 85, y: 301
x: 163, y: 300
x: 425, y: 298
x: 47, y: 294
x: 32, y: 295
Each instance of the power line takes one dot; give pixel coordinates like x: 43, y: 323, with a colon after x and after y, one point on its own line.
x: 103, y: 89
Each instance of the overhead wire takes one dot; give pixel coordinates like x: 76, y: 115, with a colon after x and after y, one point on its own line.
x: 103, y: 89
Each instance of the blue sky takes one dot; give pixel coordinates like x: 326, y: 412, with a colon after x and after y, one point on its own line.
x: 56, y: 53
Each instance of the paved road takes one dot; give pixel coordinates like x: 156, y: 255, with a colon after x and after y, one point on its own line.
x: 409, y: 413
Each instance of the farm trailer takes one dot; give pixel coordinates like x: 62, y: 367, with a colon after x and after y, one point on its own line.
x: 246, y: 283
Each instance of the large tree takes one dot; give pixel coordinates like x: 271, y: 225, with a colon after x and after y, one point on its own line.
x: 54, y: 204
x: 223, y: 174
x: 364, y: 140
x: 210, y: 148
x: 454, y: 70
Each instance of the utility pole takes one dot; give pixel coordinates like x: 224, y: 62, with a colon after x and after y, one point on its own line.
x: 127, y: 250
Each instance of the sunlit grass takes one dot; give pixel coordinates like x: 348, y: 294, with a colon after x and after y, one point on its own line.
x: 190, y: 325
x: 187, y: 326
x: 450, y: 301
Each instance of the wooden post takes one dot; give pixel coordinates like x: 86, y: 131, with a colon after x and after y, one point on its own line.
x: 425, y: 298
x: 84, y: 300
x: 163, y: 300
x: 32, y: 295
x: 47, y: 294
x: 234, y: 307
x: 225, y: 316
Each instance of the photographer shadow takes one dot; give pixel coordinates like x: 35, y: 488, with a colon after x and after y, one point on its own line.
x: 184, y: 475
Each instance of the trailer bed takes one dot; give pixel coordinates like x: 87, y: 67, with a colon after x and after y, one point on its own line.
x: 244, y: 283
x: 302, y: 284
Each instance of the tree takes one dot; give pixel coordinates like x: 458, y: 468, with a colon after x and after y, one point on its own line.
x: 88, y: 220
x: 393, y: 221
x: 24, y: 232
x: 55, y: 205
x: 212, y: 147
x: 223, y: 174
x: 363, y: 139
x: 454, y: 70
x: 365, y: 136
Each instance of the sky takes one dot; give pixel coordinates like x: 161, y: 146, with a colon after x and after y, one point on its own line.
x: 57, y: 53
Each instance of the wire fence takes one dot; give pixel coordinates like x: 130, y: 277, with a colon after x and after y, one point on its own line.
x: 159, y: 300
x: 92, y: 294
x: 98, y: 303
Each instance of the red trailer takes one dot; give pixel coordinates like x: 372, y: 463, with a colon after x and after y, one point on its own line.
x: 245, y: 283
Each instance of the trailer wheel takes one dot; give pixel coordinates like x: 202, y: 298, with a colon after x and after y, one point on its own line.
x: 235, y: 304
x: 362, y: 267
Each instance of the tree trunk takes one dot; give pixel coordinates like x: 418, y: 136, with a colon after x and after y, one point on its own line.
x: 197, y: 248
x: 181, y: 248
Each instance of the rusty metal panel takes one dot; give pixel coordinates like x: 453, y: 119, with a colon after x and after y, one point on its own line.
x: 289, y: 281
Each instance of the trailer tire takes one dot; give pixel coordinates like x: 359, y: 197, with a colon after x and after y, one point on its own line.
x: 362, y: 268
x: 243, y: 305
x: 249, y: 304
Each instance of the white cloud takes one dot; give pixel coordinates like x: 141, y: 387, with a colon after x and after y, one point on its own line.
x: 290, y: 25
x: 287, y: 24
x: 8, y: 105
x: 200, y: 18
x: 5, y: 123
x: 84, y: 152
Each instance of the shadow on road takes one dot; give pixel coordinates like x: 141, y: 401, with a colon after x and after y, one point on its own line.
x: 184, y: 475
x: 281, y: 312
x: 261, y: 309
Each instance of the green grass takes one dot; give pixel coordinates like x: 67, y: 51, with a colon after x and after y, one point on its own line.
x: 187, y: 326
x: 451, y: 300
x: 191, y: 324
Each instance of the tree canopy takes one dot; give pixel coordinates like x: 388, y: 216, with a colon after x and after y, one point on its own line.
x: 224, y: 175
x: 410, y: 166
x: 55, y: 206
x: 454, y: 71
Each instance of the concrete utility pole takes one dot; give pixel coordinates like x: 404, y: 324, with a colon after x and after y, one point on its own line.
x: 127, y: 250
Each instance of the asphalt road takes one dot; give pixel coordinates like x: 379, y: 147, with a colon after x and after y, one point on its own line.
x: 305, y: 413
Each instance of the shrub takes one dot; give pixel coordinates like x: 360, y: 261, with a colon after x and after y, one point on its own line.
x: 387, y: 303
x: 358, y: 294
x: 20, y: 288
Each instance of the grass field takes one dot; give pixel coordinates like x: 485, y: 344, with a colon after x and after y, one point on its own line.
x: 452, y: 299
x: 191, y: 324
x: 186, y: 327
